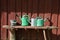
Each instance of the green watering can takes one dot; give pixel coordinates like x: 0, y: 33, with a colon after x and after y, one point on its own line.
x: 24, y: 20
x: 40, y: 21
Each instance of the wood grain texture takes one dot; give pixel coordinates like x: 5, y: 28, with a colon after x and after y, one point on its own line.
x: 41, y: 8
x: 33, y: 36
x: 54, y: 17
x: 11, y: 10
x: 12, y: 35
x: 45, y: 8
x: 11, y: 13
x: 30, y: 8
x: 47, y: 13
x: 0, y: 19
x: 3, y: 19
x: 18, y: 9
x: 24, y: 7
x: 34, y: 8
x: 3, y: 22
x: 30, y: 27
x: 58, y: 21
x: 58, y: 33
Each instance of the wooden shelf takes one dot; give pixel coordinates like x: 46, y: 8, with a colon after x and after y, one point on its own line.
x: 12, y: 32
x: 29, y: 27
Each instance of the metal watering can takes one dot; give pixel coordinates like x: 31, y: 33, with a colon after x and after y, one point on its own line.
x: 24, y: 20
x: 40, y: 21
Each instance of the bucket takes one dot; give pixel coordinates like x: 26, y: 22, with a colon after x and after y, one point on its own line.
x: 33, y: 22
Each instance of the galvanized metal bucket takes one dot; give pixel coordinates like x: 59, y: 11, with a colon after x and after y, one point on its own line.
x: 33, y: 22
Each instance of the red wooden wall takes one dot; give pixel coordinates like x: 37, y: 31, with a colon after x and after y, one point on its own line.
x: 45, y: 8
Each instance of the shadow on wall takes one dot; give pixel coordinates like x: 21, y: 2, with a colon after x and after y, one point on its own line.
x: 31, y: 34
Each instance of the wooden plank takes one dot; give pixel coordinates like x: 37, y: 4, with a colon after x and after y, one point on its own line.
x: 29, y: 27
x: 30, y: 8
x: 11, y: 10
x: 33, y: 33
x: 18, y: 11
x: 59, y: 25
x: 3, y: 22
x: 47, y: 12
x: 3, y: 19
x: 44, y: 33
x: 0, y: 25
x: 41, y: 8
x: 0, y: 19
x: 34, y: 8
x: 24, y: 7
x: 0, y: 28
x: 12, y: 34
x: 58, y: 33
x: 11, y: 13
x: 54, y: 17
x: 3, y: 5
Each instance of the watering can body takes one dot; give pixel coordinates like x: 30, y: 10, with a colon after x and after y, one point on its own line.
x: 25, y: 20
x: 40, y: 22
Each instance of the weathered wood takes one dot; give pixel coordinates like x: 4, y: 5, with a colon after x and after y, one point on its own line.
x: 12, y: 34
x: 58, y: 33
x: 44, y: 33
x: 3, y: 22
x: 54, y: 17
x: 0, y: 19
x: 3, y: 19
x: 41, y: 8
x: 48, y: 33
x: 32, y: 7
x: 11, y: 12
x: 18, y: 10
x: 47, y: 13
x: 29, y: 27
x: 24, y: 7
